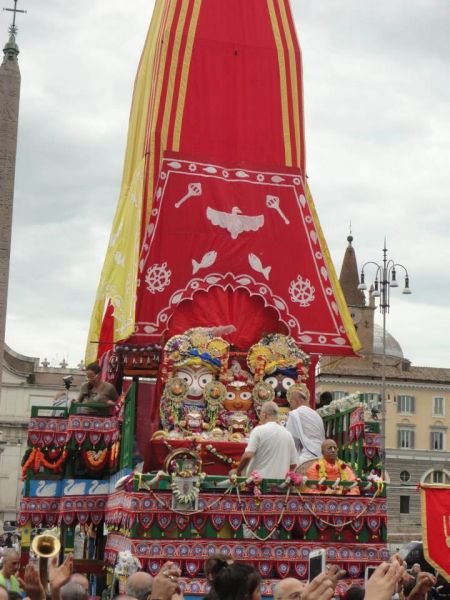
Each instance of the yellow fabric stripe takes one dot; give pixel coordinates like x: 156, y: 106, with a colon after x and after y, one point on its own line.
x: 342, y: 305
x: 118, y: 280
x: 185, y: 75
x: 294, y: 80
x: 155, y: 160
x: 172, y: 74
x: 283, y: 84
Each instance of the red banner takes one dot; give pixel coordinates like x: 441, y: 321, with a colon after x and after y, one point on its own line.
x: 236, y: 230
x: 436, y: 527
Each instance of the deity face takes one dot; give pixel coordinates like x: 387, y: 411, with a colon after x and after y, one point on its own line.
x: 194, y: 421
x: 196, y: 378
x: 281, y: 384
x: 239, y: 398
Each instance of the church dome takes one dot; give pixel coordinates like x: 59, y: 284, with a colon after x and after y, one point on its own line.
x: 393, y: 348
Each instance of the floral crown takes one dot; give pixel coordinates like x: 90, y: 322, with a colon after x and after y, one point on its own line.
x: 195, y: 347
x: 277, y: 352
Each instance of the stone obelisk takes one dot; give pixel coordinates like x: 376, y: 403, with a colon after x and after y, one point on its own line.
x: 9, y: 117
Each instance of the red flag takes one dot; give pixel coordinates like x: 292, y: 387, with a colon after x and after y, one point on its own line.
x: 436, y: 526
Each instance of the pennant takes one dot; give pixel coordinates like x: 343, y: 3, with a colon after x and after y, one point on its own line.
x: 374, y: 524
x: 146, y: 520
x: 95, y: 437
x: 192, y: 567
x: 283, y: 569
x: 217, y: 521
x: 199, y: 522
x: 79, y: 436
x: 182, y: 522
x: 288, y: 522
x: 265, y: 568
x: 300, y: 569
x: 305, y: 522
x: 235, y: 522
x: 164, y: 520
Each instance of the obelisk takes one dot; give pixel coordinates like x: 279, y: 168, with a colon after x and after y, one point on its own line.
x: 9, y: 117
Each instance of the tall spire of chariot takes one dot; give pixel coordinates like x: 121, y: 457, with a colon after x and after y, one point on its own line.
x: 218, y: 92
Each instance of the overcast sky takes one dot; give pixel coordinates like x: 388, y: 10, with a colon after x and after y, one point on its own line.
x: 377, y: 100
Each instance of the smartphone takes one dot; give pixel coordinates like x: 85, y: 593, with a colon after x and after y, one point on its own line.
x: 317, y: 560
x: 369, y: 572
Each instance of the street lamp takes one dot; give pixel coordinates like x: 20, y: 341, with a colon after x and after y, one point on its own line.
x: 385, y: 279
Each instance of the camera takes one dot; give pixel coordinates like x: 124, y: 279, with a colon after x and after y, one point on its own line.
x: 68, y: 380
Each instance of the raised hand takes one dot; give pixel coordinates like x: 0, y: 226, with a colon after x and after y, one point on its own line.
x: 31, y: 583
x: 381, y: 586
x: 59, y: 576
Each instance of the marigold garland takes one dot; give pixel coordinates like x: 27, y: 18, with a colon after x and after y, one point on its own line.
x: 95, y: 459
x: 114, y: 454
x: 37, y: 458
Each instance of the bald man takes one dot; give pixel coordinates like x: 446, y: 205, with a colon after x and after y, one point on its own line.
x: 305, y: 425
x: 288, y: 589
x: 332, y: 468
x: 139, y: 585
x: 270, y: 449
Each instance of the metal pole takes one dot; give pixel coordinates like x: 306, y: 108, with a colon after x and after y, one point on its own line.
x: 383, y: 396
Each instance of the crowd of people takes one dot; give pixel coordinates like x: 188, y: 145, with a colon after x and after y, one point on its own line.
x: 227, y: 579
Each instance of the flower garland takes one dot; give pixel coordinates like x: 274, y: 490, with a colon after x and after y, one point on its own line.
x: 222, y: 457
x: 95, y: 459
x: 192, y: 495
x: 37, y: 458
x: 307, y: 505
x: 277, y: 524
x: 114, y: 454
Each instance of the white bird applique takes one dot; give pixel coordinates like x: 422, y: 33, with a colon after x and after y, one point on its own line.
x: 207, y: 260
x: 234, y: 222
x: 256, y: 265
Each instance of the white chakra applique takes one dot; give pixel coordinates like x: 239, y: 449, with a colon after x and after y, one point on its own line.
x: 301, y: 291
x: 157, y: 278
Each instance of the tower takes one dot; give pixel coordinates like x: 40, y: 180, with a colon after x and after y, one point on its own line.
x: 9, y: 117
x: 362, y: 315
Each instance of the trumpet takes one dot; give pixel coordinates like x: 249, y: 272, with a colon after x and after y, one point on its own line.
x: 45, y: 545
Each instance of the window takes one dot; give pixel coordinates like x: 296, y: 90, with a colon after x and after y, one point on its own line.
x: 437, y: 477
x: 437, y: 440
x: 406, y: 404
x: 404, y: 505
x: 372, y: 400
x: 405, y: 438
x: 405, y: 476
x: 338, y: 395
x: 438, y: 407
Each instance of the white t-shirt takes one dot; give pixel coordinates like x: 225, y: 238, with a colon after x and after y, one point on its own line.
x: 306, y: 427
x: 274, y: 450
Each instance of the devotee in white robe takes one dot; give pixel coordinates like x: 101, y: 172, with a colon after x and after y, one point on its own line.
x: 305, y: 426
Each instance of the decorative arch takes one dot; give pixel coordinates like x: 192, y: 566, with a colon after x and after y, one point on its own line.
x: 446, y: 473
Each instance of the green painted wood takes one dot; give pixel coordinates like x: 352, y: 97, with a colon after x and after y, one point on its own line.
x: 128, y: 428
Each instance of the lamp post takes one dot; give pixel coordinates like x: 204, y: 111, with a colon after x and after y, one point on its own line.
x: 385, y: 279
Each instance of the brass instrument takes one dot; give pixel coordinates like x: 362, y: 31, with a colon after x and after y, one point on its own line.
x: 45, y: 545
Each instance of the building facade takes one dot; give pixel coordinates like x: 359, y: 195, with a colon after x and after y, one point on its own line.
x: 26, y: 383
x: 417, y: 416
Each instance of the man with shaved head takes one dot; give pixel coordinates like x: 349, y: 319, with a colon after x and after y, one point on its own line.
x: 288, y: 589
x: 332, y: 468
x: 139, y: 585
x: 270, y: 449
